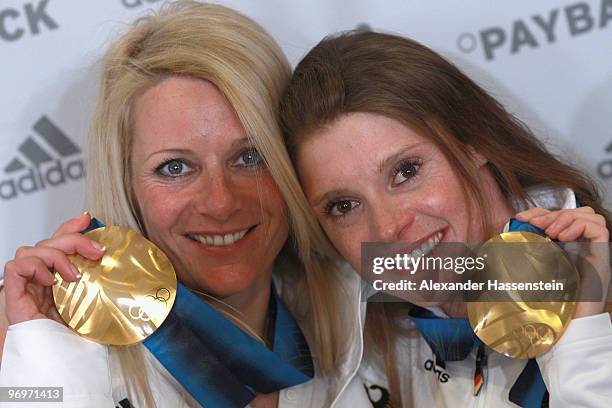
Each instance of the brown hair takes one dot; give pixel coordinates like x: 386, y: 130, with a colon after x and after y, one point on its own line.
x: 399, y: 78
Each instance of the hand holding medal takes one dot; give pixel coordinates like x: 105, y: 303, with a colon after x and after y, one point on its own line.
x: 28, y: 279
x: 580, y: 226
x: 527, y: 326
x: 111, y: 285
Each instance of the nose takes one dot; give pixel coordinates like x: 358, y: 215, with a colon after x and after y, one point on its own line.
x: 390, y: 223
x: 218, y: 197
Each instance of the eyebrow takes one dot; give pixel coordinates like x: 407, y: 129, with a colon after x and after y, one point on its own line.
x: 235, y: 144
x: 166, y: 151
x: 381, y: 168
x: 325, y: 197
x: 395, y: 156
x: 241, y: 142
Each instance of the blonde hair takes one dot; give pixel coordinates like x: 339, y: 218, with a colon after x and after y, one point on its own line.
x: 219, y: 45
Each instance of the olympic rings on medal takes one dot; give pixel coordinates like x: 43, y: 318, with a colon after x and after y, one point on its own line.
x: 161, y: 295
x: 537, y: 335
x: 141, y: 313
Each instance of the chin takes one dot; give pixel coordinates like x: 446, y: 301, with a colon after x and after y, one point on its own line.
x: 222, y: 285
x: 428, y: 304
x: 225, y: 290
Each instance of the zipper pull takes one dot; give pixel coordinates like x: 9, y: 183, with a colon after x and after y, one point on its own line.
x: 481, y: 362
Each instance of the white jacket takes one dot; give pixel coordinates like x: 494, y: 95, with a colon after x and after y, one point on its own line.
x: 45, y: 353
x: 577, y: 370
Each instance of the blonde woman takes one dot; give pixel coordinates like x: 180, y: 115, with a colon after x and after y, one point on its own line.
x: 185, y: 148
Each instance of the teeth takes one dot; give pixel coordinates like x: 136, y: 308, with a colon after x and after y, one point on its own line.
x: 220, y: 240
x: 426, y: 246
x: 239, y: 235
x: 417, y: 253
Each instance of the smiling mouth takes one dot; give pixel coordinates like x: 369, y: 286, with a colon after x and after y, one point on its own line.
x: 221, y: 240
x: 426, y: 247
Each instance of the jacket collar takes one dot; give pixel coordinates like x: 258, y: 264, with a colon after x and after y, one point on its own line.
x: 548, y: 197
x: 352, y: 309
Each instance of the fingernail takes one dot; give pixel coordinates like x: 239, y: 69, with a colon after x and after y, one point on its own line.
x: 75, y: 272
x: 85, y: 213
x: 98, y: 246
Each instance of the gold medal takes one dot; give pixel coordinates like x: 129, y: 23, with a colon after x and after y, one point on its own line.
x: 122, y: 298
x: 519, y: 323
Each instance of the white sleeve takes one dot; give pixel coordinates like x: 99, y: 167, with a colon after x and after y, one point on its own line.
x: 578, y: 369
x: 44, y: 353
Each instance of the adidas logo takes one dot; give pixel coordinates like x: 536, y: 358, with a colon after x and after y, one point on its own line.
x: 49, y: 160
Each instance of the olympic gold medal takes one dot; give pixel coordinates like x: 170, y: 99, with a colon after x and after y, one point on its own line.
x: 523, y: 324
x: 122, y: 298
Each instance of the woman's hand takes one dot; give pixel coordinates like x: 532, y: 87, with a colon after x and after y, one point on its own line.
x: 265, y: 401
x: 588, y: 230
x: 28, y: 278
x: 3, y: 321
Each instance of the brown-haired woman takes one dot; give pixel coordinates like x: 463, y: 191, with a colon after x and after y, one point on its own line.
x: 394, y: 143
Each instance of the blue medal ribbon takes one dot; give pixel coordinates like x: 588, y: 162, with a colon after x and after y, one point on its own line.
x: 219, y: 364
x: 449, y: 339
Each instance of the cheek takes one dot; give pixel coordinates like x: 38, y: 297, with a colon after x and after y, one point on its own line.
x: 441, y: 204
x: 450, y: 204
x: 347, y: 243
x: 158, y: 209
x: 445, y: 197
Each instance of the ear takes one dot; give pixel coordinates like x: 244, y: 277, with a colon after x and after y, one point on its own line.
x: 478, y: 159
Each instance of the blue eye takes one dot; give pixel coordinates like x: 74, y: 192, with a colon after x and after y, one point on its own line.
x: 404, y: 171
x: 173, y: 168
x: 340, y: 207
x: 250, y: 157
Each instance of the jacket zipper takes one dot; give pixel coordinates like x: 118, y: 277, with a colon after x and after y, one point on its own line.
x: 480, y: 376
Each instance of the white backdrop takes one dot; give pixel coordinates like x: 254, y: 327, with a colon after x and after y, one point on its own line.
x: 550, y: 62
